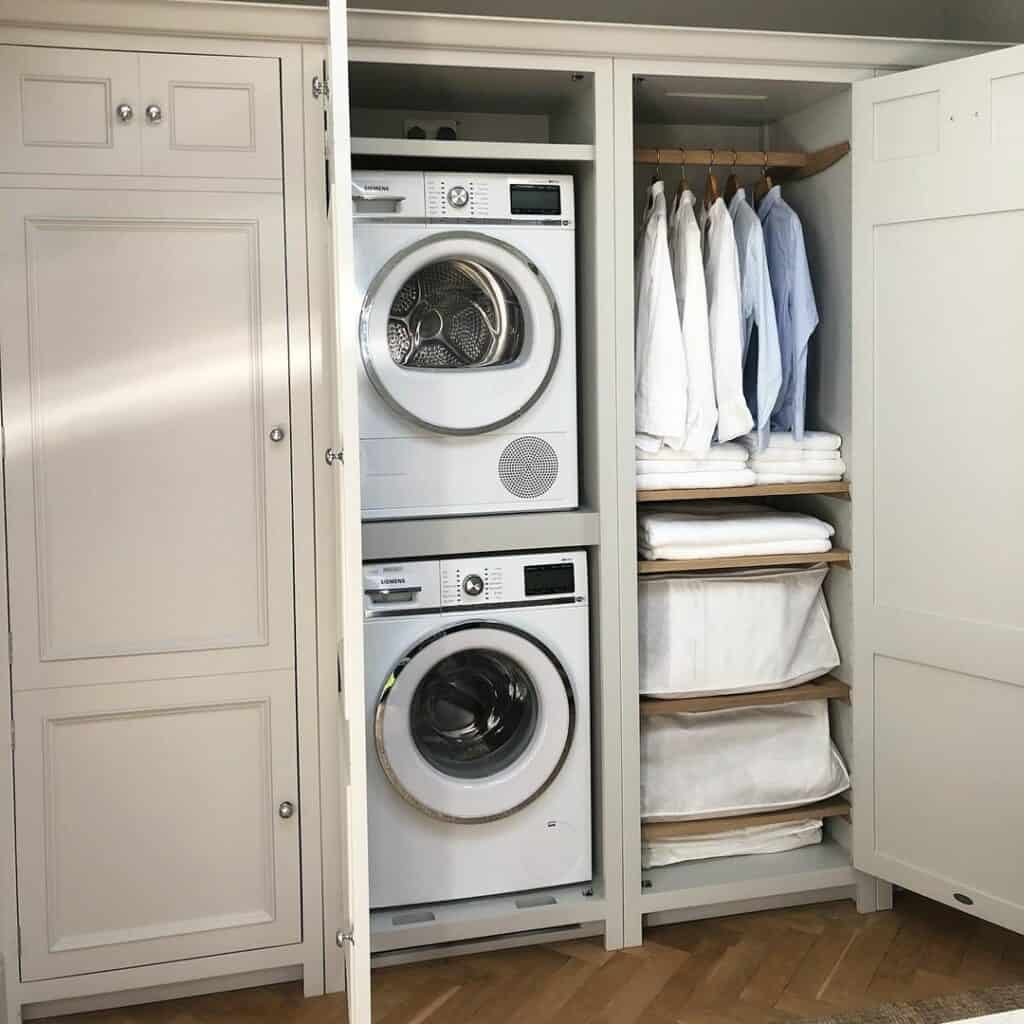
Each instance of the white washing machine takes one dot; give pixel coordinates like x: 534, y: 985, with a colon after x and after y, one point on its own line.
x: 478, y: 726
x: 467, y: 326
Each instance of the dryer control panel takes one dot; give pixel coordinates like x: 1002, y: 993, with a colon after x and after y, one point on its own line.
x: 436, y: 196
x: 525, y: 579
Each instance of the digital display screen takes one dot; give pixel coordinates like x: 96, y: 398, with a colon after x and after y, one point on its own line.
x: 536, y: 200
x: 541, y: 580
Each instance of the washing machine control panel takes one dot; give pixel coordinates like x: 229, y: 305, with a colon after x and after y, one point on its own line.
x: 545, y: 578
x: 407, y: 587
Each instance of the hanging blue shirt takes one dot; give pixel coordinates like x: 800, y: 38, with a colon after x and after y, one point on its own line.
x: 796, y: 312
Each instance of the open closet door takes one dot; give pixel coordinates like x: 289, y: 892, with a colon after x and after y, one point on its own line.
x: 354, y: 939
x: 938, y: 330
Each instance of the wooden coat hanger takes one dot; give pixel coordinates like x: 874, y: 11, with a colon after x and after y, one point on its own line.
x: 731, y: 184
x: 683, y: 185
x: 711, y: 193
x: 765, y: 185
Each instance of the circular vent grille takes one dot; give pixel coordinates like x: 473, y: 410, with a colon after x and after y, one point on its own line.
x: 528, y: 467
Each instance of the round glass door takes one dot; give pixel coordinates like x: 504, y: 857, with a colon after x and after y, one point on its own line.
x: 459, y: 333
x: 474, y: 723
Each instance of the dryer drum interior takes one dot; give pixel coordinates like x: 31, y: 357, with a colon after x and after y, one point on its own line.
x: 455, y: 314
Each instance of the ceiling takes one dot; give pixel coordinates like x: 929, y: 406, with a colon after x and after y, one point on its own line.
x: 663, y: 100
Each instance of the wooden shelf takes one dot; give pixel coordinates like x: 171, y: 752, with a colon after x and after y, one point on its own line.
x: 661, y: 566
x: 459, y: 149
x: 825, y: 688
x: 836, y: 807
x: 791, y: 164
x: 839, y: 488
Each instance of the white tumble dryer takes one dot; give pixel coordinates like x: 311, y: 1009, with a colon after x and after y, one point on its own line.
x: 478, y: 726
x: 467, y: 329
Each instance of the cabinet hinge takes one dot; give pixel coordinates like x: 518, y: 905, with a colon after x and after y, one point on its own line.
x: 321, y: 87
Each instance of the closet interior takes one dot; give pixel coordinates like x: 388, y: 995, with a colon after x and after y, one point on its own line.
x: 468, y: 116
x: 741, y: 669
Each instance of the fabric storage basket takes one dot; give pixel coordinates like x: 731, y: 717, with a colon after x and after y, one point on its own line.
x: 657, y: 853
x: 736, y: 632
x: 725, y: 763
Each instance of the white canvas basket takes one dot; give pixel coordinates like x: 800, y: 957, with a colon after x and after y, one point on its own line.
x: 735, y: 632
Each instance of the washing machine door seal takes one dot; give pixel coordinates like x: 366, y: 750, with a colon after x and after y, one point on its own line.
x: 460, y: 333
x: 475, y: 722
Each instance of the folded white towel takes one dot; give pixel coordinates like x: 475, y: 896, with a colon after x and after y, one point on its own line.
x: 755, y: 839
x: 816, y: 466
x: 795, y: 455
x: 813, y: 440
x: 682, y: 552
x: 730, y: 451
x: 725, y: 522
x: 696, y: 466
x: 686, y: 481
x: 797, y: 478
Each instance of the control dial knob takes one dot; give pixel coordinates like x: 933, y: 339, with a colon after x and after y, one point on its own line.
x: 473, y: 585
x: 458, y: 196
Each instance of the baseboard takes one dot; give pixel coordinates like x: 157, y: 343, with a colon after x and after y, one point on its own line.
x: 160, y: 993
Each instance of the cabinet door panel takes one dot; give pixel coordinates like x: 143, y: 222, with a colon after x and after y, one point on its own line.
x: 939, y: 666
x: 58, y: 111
x: 148, y: 824
x: 220, y: 117
x: 144, y: 367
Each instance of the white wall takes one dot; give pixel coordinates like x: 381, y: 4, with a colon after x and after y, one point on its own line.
x: 981, y: 20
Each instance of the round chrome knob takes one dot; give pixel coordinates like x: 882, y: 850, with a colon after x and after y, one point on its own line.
x: 124, y: 112
x: 473, y: 585
x: 277, y: 434
x: 287, y: 809
x: 154, y: 115
x: 458, y: 196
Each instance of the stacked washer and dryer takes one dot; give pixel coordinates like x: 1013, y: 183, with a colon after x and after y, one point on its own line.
x: 477, y: 666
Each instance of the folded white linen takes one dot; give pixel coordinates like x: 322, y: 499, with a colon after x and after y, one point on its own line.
x: 687, y: 481
x: 813, y: 440
x: 690, y: 466
x: 688, y: 625
x: 728, y: 522
x: 811, y: 456
x: 680, y: 553
x: 798, y: 478
x: 818, y: 466
x: 656, y: 853
x: 725, y: 763
x: 730, y: 450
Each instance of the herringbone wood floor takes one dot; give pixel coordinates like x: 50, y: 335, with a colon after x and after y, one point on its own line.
x: 775, y: 966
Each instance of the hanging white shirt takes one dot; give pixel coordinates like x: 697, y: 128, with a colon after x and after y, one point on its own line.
x: 660, y: 388
x: 758, y: 311
x: 725, y: 321
x: 691, y: 299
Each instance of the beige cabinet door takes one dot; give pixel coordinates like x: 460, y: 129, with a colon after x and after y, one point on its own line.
x: 938, y: 328
x: 59, y: 111
x: 144, y: 382
x: 156, y: 822
x: 210, y: 117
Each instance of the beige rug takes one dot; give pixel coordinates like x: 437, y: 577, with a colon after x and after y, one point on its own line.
x: 959, y: 1007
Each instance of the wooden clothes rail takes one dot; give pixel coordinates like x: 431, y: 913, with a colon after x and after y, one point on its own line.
x: 792, y: 164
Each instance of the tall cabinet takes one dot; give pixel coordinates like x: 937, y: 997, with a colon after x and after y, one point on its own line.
x: 167, y: 673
